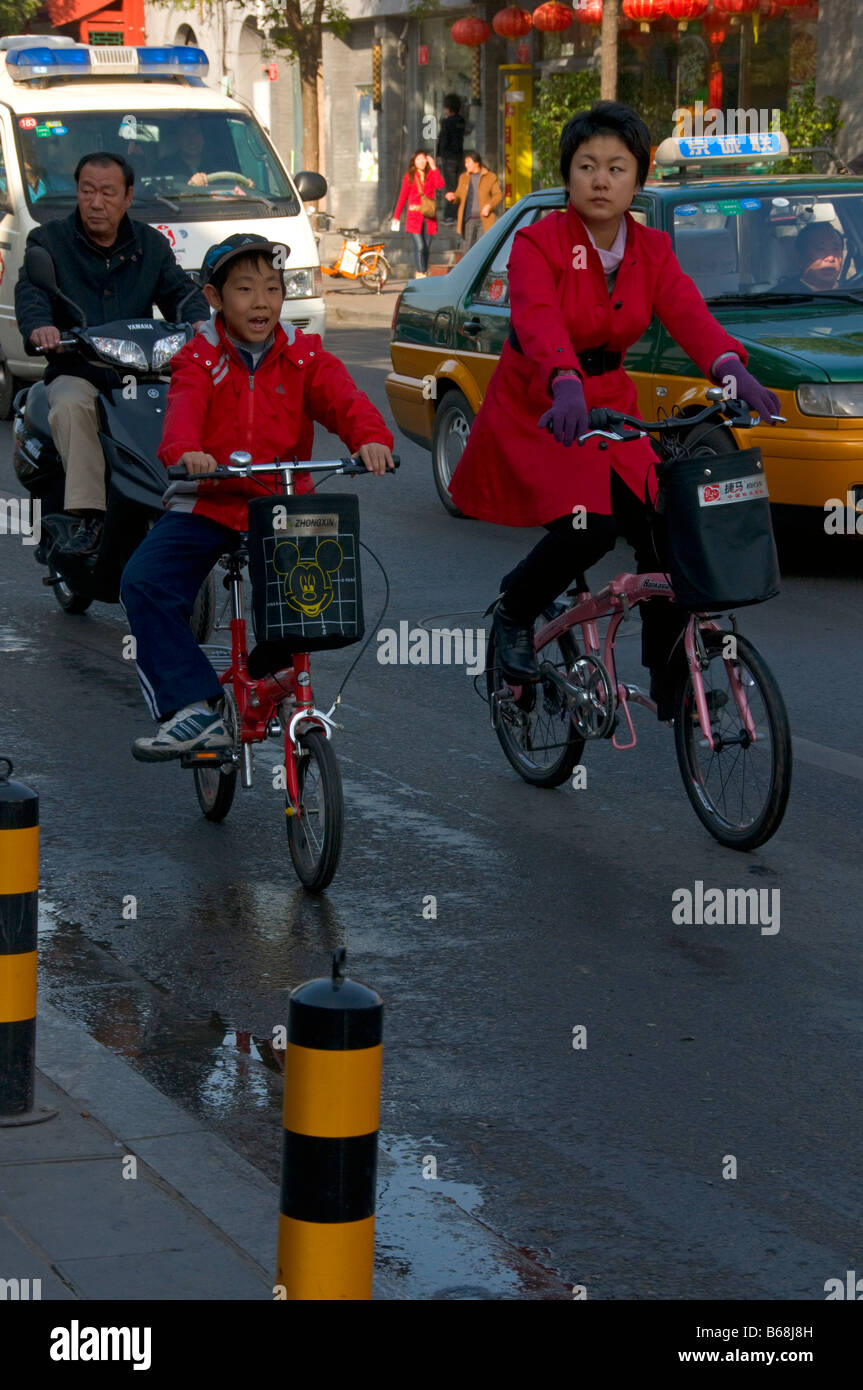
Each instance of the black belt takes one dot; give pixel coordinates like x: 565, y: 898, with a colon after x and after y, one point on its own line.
x: 592, y: 362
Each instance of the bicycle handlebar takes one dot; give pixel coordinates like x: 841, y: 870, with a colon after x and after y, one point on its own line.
x: 605, y: 423
x: 350, y: 467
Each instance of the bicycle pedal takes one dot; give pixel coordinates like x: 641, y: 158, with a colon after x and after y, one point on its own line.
x: 207, y: 757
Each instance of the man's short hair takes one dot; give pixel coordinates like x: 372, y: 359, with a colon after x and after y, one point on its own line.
x: 606, y: 118
x: 103, y: 159
x: 453, y: 103
x: 474, y: 155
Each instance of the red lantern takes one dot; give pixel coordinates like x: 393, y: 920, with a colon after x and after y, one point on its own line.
x: 590, y: 11
x: 714, y: 29
x: 552, y: 18
x: 470, y: 31
x: 643, y: 10
x: 684, y: 10
x: 512, y: 23
x: 735, y: 8
x: 770, y: 9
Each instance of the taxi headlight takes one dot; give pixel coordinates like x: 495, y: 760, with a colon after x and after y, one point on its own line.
x: 120, y: 350
x: 843, y: 400
x: 165, y: 348
x: 303, y: 284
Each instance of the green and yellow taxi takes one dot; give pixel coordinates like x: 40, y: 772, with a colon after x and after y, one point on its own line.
x: 740, y: 231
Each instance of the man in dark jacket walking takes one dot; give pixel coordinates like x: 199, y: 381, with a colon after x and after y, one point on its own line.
x: 450, y: 147
x: 112, y: 268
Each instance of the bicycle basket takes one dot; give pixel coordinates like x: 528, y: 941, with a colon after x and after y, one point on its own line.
x: 304, y: 564
x: 721, y: 551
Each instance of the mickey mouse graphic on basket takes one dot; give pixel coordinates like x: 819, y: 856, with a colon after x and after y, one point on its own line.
x: 308, y: 585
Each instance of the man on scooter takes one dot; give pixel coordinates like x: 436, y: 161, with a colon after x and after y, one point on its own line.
x: 113, y: 268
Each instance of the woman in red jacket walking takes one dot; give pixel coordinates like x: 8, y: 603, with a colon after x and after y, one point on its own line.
x: 583, y: 285
x: 422, y: 180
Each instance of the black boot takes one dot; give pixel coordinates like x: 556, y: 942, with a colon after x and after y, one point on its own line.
x: 514, y: 642
x: 87, y: 536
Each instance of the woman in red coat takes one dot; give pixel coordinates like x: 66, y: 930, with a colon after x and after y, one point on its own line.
x: 583, y: 285
x: 422, y: 179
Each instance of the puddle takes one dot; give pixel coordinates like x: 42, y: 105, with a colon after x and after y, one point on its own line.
x: 12, y: 641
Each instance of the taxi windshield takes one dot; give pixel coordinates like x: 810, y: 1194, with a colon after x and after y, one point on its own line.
x: 182, y: 160
x: 774, y: 244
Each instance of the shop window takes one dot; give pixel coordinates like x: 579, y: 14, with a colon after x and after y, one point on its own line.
x: 367, y: 136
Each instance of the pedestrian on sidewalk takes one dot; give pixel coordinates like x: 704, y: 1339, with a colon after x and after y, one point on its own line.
x: 477, y: 195
x: 418, y: 189
x: 450, y: 147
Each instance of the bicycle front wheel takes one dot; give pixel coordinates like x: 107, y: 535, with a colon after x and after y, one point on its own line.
x: 315, y: 835
x: 536, y: 730
x: 739, y: 788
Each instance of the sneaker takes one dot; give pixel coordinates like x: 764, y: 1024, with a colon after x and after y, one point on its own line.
x: 195, y: 727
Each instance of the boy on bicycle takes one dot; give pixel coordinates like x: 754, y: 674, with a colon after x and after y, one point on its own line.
x: 245, y: 381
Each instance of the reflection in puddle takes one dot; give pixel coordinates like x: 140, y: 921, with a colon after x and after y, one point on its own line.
x: 12, y: 641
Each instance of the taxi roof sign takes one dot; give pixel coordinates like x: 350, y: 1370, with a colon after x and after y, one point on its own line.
x: 37, y: 60
x: 677, y: 152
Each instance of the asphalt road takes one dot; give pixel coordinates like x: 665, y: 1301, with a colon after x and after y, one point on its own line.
x: 601, y: 1165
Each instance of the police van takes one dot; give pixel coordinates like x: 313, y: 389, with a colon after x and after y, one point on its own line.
x: 204, y: 168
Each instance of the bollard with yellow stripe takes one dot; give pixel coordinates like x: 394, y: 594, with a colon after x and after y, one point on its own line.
x: 329, y: 1155
x: 19, y: 895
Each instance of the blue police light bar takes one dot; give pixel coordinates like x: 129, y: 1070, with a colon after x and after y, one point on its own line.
x: 81, y: 60
x: 721, y: 149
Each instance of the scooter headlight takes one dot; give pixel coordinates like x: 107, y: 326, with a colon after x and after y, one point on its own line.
x: 120, y: 350
x: 166, y: 347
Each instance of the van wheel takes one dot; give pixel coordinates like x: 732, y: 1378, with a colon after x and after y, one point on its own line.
x: 452, y: 422
x: 10, y: 385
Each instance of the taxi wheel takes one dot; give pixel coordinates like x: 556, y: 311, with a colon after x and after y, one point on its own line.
x: 452, y: 422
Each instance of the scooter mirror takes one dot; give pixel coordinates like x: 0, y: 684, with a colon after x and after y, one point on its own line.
x: 40, y: 269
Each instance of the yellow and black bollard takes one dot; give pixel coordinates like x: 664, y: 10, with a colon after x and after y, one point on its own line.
x: 329, y: 1155
x: 19, y: 896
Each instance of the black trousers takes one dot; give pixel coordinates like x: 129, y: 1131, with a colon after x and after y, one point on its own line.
x: 566, y: 552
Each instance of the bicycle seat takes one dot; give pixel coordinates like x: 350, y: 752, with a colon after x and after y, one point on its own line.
x: 349, y: 231
x: 239, y: 552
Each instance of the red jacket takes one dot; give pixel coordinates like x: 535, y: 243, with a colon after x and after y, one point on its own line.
x: 514, y: 473
x: 216, y: 406
x: 410, y: 194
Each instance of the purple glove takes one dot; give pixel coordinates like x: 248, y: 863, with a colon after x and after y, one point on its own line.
x: 747, y: 389
x: 568, y: 416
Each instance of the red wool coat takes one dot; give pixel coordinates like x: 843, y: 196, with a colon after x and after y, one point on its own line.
x: 410, y: 194
x: 513, y: 473
x: 215, y: 406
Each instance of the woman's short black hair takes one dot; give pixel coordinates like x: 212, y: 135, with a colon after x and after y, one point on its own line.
x: 453, y: 103
x: 606, y: 118
x: 103, y: 159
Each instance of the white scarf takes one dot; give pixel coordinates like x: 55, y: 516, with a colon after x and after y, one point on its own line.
x: 611, y: 259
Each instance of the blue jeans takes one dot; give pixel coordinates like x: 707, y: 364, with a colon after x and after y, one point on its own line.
x: 158, y: 591
x: 421, y: 241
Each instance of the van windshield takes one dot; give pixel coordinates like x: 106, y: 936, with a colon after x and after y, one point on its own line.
x: 204, y: 163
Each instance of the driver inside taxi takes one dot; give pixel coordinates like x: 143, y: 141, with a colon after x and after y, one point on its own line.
x: 820, y: 250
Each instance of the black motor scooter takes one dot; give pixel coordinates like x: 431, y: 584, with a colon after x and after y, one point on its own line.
x: 131, y: 416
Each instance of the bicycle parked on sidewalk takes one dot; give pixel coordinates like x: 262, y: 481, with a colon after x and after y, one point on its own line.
x: 357, y: 259
x: 275, y: 705
x: 731, y: 730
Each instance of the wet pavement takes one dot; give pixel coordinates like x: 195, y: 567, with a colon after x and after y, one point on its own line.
x: 175, y: 942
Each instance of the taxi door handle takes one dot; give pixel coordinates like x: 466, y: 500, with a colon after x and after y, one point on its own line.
x: 471, y: 328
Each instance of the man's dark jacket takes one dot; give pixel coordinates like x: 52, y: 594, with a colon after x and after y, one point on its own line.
x: 450, y: 141
x: 140, y: 271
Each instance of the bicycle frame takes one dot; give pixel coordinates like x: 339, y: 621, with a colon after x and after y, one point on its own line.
x: 616, y: 601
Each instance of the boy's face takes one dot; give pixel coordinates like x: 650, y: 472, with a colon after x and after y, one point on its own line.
x: 250, y: 300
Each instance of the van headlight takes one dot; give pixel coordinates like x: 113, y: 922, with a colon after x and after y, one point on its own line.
x: 304, y: 284
x: 843, y: 399
x: 164, y: 349
x: 120, y: 350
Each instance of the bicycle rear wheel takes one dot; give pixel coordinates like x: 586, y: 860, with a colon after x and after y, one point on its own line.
x: 739, y: 789
x: 536, y: 730
x: 215, y: 786
x: 315, y: 835
x: 374, y: 270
